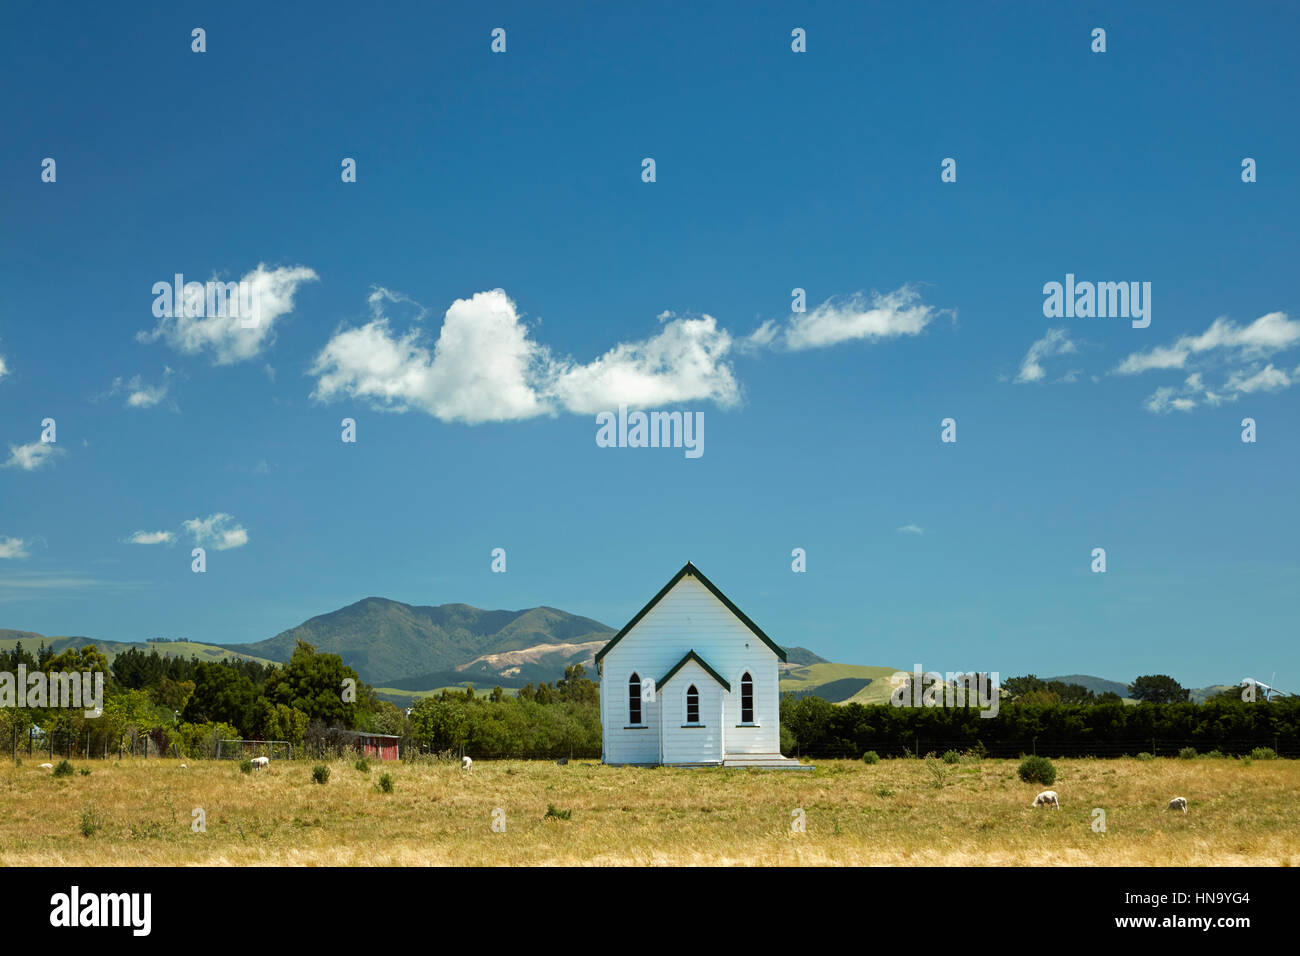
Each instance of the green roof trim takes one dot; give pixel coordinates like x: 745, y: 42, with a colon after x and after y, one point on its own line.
x: 692, y: 656
x: 694, y: 572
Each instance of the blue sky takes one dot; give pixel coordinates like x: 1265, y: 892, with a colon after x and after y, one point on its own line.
x: 522, y: 172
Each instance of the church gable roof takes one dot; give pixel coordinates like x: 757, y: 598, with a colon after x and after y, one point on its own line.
x: 692, y: 656
x: 694, y: 572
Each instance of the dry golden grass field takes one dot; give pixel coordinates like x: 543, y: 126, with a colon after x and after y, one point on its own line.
x: 917, y: 812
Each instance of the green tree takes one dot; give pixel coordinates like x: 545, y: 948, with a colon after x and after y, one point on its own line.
x: 1159, y: 689
x: 313, y: 683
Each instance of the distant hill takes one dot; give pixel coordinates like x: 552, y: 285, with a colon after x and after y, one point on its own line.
x: 391, y: 644
x: 31, y: 641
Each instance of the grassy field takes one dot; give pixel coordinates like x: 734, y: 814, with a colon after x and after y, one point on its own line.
x: 897, y: 812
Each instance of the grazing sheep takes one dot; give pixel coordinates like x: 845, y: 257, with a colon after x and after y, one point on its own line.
x: 47, y: 766
x: 466, y: 763
x: 261, y: 763
x: 183, y: 767
x: 1178, y: 803
x: 1045, y: 799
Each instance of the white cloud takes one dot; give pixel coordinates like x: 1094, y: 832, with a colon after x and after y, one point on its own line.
x: 858, y: 317
x: 912, y: 529
x: 32, y: 456
x: 224, y: 336
x: 485, y: 367
x: 1267, y: 379
x: 684, y: 362
x: 4, y: 369
x: 1238, y: 350
x: 152, y: 537
x: 140, y: 394
x: 13, y: 547
x: 1166, y: 399
x: 219, y: 531
x: 1268, y: 334
x: 1055, y: 342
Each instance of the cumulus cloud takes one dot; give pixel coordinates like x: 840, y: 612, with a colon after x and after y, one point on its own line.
x: 1055, y: 342
x: 856, y: 318
x: 32, y: 456
x: 224, y: 336
x: 484, y: 366
x: 151, y: 537
x: 912, y: 529
x: 4, y: 369
x: 219, y: 531
x: 13, y: 547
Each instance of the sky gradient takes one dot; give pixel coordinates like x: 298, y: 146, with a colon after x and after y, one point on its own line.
x: 774, y: 170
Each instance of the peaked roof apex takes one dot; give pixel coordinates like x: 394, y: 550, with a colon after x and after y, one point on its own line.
x: 693, y: 571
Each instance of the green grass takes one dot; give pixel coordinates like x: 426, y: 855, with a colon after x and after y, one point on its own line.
x: 811, y: 676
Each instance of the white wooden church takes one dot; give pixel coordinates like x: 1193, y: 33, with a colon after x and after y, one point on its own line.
x: 691, y: 680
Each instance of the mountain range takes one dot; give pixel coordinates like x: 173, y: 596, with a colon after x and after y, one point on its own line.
x: 406, y: 650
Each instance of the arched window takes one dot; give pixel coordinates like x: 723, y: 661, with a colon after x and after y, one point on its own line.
x: 634, y: 699
x: 747, y: 699
x: 692, y: 705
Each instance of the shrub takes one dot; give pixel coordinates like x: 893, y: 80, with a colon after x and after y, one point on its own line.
x: 556, y: 814
x: 362, y: 764
x: 1216, y: 754
x: 1187, y: 753
x: 1146, y: 756
x: 936, y: 769
x: 64, y: 769
x: 1263, y: 753
x: 91, y: 823
x: 85, y: 771
x: 385, y: 784
x: 320, y: 773
x: 951, y: 756
x: 245, y: 766
x: 871, y: 757
x: 1037, y: 770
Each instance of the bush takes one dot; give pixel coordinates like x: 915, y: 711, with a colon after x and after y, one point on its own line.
x: 1216, y: 755
x: 245, y: 766
x: 1037, y: 770
x: 85, y: 771
x: 1146, y: 756
x: 91, y: 823
x: 362, y: 764
x: 556, y: 814
x: 385, y: 784
x: 951, y: 756
x: 1187, y: 753
x: 320, y: 773
x: 64, y: 769
x: 1263, y: 753
x: 871, y: 757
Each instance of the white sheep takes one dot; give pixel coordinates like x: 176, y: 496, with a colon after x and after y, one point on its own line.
x: 466, y: 763
x: 1045, y: 799
x: 47, y: 766
x: 261, y: 763
x: 1178, y: 803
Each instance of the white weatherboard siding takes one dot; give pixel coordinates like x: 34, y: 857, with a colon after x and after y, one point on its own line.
x: 689, y: 617
x: 696, y: 743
